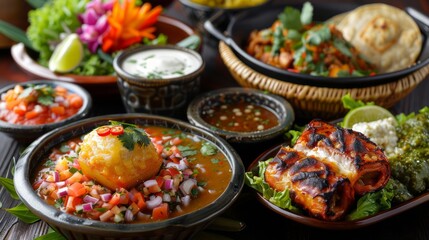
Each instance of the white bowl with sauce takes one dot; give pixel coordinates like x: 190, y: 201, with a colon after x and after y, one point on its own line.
x: 158, y: 79
x: 241, y: 115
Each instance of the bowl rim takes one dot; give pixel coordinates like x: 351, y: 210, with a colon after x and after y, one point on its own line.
x: 38, y: 149
x: 74, y: 88
x: 194, y: 115
x: 135, y: 80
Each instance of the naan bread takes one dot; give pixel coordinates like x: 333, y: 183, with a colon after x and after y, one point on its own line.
x: 386, y: 35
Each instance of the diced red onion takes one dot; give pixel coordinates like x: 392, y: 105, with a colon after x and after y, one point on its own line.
x: 172, y: 164
x: 186, y: 200
x: 187, y: 185
x: 168, y: 184
x: 106, y: 197
x: 90, y: 199
x: 129, y: 217
x: 166, y: 197
x: 153, y: 203
x: 142, y: 216
x: 56, y: 176
x: 187, y: 172
x: 60, y: 184
x: 44, y: 184
x: 183, y: 164
x: 86, y: 207
x: 62, y: 192
x: 150, y: 183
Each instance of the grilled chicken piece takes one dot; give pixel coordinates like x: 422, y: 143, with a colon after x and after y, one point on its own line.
x: 351, y: 153
x: 313, y: 183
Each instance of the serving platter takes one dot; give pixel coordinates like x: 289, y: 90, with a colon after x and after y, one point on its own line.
x: 338, y: 225
x: 173, y: 28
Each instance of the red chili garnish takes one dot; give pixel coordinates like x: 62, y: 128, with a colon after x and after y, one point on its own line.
x: 103, y: 131
x: 117, y: 130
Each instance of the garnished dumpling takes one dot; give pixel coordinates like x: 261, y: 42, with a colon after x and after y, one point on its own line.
x: 118, y: 157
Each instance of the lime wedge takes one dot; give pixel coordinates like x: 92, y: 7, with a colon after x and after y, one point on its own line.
x: 367, y: 113
x: 67, y: 55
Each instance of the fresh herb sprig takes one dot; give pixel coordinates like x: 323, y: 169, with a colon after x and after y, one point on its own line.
x: 132, y: 135
x: 45, y: 94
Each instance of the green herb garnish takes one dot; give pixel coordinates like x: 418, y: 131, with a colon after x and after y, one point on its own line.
x: 132, y: 135
x: 208, y: 149
x: 45, y: 94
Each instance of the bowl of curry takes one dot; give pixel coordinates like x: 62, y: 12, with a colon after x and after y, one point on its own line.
x: 129, y: 176
x: 241, y: 115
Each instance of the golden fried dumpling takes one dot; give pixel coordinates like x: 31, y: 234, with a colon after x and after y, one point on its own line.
x: 115, y: 164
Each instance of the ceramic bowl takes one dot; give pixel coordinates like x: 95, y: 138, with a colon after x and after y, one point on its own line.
x: 100, y: 86
x: 224, y: 96
x: 28, y: 133
x: 153, y: 91
x: 73, y: 227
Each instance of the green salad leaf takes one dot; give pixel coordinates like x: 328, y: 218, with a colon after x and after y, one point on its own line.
x: 51, y: 235
x: 257, y: 182
x: 48, y: 22
x: 350, y: 103
x: 372, y: 203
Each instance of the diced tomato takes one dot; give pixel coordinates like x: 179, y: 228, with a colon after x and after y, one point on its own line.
x: 141, y: 203
x: 116, y: 198
x: 75, y: 101
x: 161, y: 212
x: 159, y: 148
x: 76, y: 189
x: 106, y: 216
x: 71, y: 203
x: 31, y: 114
x: 174, y: 171
x: 176, y: 141
x: 58, y: 110
x: 134, y: 208
x: 103, y: 131
x: 117, y: 130
x: 76, y: 177
x: 61, y: 91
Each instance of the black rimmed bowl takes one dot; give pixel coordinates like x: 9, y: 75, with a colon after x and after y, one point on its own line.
x: 28, y: 133
x: 73, y: 227
x: 224, y: 96
x: 154, y: 93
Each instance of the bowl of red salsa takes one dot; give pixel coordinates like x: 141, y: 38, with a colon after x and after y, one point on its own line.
x: 241, y: 115
x: 85, y: 179
x: 30, y: 109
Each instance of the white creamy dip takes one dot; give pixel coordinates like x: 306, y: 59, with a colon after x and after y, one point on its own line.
x: 161, y: 63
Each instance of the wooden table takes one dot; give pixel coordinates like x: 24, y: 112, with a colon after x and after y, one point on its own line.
x: 260, y: 222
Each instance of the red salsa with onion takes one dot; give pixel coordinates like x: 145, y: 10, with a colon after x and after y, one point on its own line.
x: 38, y: 104
x: 240, y: 117
x: 193, y: 174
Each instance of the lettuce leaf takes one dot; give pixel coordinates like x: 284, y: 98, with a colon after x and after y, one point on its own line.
x: 281, y: 199
x: 372, y: 203
x: 350, y: 103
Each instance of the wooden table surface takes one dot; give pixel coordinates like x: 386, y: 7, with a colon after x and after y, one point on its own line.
x: 260, y: 222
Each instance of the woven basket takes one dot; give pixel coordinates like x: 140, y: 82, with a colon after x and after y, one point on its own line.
x: 319, y: 102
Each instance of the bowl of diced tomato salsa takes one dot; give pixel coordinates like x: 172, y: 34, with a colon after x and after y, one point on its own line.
x: 30, y: 109
x: 129, y: 176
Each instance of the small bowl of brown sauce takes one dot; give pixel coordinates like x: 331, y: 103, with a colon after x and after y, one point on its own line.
x: 241, y: 115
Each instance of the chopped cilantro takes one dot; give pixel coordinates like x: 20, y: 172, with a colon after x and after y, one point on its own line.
x: 208, y: 149
x: 186, y: 151
x: 59, y: 203
x: 215, y: 160
x: 45, y: 94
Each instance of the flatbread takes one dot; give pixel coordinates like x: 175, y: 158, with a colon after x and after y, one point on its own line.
x: 386, y: 35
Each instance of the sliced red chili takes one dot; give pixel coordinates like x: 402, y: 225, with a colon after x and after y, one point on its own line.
x: 103, y: 131
x: 117, y: 130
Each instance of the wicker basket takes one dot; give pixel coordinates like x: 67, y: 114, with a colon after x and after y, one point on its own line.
x: 319, y: 102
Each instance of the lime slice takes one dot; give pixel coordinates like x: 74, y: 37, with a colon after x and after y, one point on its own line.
x: 67, y: 55
x: 367, y: 113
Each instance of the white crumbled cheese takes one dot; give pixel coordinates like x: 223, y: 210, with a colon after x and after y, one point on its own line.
x: 382, y: 132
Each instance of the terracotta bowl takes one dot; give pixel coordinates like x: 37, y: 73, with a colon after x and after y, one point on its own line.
x: 282, y: 109
x: 28, y: 133
x: 96, y: 85
x: 73, y: 227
